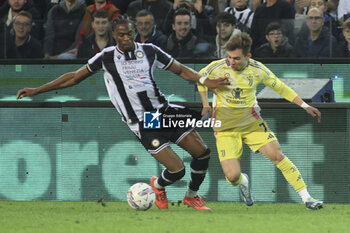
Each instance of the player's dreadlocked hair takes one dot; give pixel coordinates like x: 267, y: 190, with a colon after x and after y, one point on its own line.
x: 122, y: 19
x: 240, y: 41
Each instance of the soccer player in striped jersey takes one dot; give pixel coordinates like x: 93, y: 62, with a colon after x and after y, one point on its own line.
x: 128, y: 73
x: 237, y: 108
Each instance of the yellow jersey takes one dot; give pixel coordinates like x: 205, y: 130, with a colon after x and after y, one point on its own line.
x: 237, y: 105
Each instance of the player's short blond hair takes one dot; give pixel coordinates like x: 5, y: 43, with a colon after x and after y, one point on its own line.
x: 240, y: 41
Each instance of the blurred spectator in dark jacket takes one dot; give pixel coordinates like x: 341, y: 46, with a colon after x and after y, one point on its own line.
x: 183, y: 43
x: 272, y: 10
x: 329, y: 22
x: 122, y: 5
x: 27, y: 46
x: 100, y: 38
x: 202, y: 18
x: 316, y: 41
x: 147, y: 31
x: 11, y: 8
x: 159, y: 9
x: 277, y: 45
x: 62, y: 29
x: 7, y: 46
x: 343, y: 48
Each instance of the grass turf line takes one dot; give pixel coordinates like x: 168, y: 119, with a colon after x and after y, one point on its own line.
x: 92, y: 217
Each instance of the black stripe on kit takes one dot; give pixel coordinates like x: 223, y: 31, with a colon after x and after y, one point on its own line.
x: 150, y: 54
x: 145, y: 101
x: 108, y: 60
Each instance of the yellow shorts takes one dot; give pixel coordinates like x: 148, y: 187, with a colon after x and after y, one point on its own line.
x: 229, y: 143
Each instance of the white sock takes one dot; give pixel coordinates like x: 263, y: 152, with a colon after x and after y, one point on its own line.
x: 304, y: 194
x: 191, y: 194
x: 245, y: 181
x: 157, y: 185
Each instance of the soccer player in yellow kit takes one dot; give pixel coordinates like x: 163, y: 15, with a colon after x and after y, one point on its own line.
x: 238, y: 111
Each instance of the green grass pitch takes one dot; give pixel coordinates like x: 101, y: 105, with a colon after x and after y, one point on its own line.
x: 93, y: 217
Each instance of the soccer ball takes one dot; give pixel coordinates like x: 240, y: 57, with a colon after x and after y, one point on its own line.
x: 141, y: 196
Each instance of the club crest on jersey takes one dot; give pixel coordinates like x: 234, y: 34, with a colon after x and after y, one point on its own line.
x: 139, y: 54
x: 250, y: 80
x: 227, y: 75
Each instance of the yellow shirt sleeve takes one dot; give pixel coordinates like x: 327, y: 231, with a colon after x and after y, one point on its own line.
x: 271, y: 80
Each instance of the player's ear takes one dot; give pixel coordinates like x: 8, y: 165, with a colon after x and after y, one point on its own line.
x: 249, y: 55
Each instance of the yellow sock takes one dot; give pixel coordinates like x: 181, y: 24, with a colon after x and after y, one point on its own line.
x: 292, y: 174
x: 238, y: 182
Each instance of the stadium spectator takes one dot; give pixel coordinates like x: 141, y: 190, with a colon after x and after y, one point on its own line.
x: 244, y: 15
x: 257, y: 3
x: 300, y: 7
x: 133, y: 94
x: 332, y: 7
x: 182, y: 42
x: 343, y: 48
x: 107, y: 5
x: 8, y: 49
x: 122, y: 5
x: 277, y: 45
x: 147, y: 31
x: 241, y: 122
x: 225, y: 28
x: 329, y: 22
x: 11, y: 8
x: 202, y: 18
x: 272, y: 10
x: 100, y: 38
x: 27, y: 46
x: 62, y: 29
x: 343, y: 10
x: 316, y: 41
x: 159, y: 9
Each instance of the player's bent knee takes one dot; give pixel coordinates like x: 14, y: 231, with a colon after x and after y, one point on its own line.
x: 204, y: 155
x: 171, y: 177
x: 233, y: 177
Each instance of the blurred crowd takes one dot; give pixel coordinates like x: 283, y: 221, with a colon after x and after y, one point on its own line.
x: 71, y: 29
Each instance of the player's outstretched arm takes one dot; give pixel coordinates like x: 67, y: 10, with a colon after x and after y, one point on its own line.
x: 206, y: 106
x: 191, y: 75
x: 66, y: 80
x: 309, y: 109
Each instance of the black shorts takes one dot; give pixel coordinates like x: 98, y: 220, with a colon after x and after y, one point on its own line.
x: 154, y: 140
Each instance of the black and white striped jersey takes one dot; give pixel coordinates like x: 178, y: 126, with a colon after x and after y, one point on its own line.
x: 244, y: 17
x: 129, y: 78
